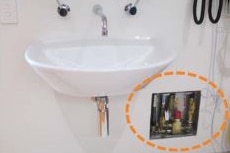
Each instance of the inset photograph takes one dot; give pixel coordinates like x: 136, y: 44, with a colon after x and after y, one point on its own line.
x: 174, y: 114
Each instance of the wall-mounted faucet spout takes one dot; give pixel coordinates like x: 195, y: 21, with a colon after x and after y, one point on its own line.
x: 97, y: 9
x: 103, y: 115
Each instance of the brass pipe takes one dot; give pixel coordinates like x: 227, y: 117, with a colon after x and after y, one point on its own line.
x: 103, y: 115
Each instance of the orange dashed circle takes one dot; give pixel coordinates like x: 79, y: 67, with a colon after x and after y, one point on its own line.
x: 194, y: 147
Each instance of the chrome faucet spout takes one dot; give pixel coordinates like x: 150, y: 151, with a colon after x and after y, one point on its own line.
x: 104, y: 26
x: 97, y: 9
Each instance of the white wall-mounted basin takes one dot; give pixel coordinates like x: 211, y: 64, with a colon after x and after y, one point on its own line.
x: 98, y: 67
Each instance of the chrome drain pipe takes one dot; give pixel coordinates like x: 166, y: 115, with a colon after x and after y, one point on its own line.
x: 103, y: 115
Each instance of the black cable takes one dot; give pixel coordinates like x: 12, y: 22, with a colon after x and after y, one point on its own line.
x: 198, y: 21
x: 218, y: 12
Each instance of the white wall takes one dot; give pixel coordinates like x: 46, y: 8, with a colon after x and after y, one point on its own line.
x: 35, y: 119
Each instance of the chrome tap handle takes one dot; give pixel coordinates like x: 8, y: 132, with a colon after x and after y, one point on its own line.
x: 131, y: 8
x: 63, y: 9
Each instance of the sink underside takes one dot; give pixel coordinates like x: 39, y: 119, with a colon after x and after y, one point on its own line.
x: 97, y: 67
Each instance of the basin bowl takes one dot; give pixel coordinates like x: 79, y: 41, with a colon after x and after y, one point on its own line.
x: 98, y: 67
